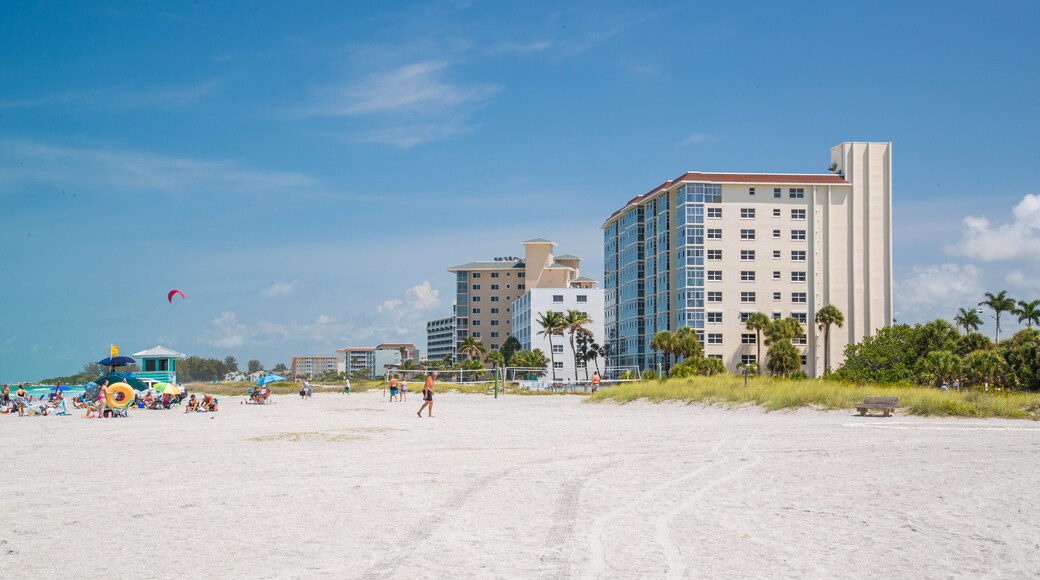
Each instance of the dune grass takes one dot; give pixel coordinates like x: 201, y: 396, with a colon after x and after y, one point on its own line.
x: 240, y: 388
x: 775, y: 394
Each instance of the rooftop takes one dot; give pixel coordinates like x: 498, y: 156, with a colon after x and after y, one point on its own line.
x: 160, y: 351
x: 488, y: 265
x: 354, y: 348
x: 749, y: 178
x: 539, y: 241
x: 568, y: 257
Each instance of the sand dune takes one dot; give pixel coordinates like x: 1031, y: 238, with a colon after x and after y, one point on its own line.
x: 519, y: 487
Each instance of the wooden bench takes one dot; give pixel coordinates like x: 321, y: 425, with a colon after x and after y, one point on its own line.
x: 886, y: 404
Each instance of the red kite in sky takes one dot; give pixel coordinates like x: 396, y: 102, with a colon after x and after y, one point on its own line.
x: 172, y: 292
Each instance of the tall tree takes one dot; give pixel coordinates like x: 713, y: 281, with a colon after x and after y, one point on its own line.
x: 999, y: 303
x: 1028, y: 312
x: 595, y: 352
x: 552, y: 325
x: 758, y: 322
x: 664, y: 342
x: 472, y: 347
x: 255, y: 365
x: 574, y: 323
x: 826, y: 317
x: 688, y: 343
x: 510, y: 347
x: 230, y: 364
x: 968, y: 318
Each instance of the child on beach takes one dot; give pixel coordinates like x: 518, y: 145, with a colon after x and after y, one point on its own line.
x: 404, y: 388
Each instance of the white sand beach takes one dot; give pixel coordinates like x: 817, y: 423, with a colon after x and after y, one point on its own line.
x: 519, y: 487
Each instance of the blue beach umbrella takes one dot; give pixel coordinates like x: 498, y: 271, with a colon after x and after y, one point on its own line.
x: 116, y: 361
x: 266, y: 379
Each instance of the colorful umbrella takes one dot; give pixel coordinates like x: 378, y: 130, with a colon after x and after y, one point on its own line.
x: 167, y: 388
x: 269, y: 379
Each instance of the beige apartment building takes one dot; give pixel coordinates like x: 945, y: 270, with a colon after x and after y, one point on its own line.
x: 707, y: 249
x: 485, y: 291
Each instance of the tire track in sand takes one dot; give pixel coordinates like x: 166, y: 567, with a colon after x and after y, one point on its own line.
x: 597, y: 553
x: 564, y: 519
x: 676, y: 567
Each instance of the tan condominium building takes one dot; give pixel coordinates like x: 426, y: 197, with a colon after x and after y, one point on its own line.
x: 705, y: 250
x: 485, y: 291
x: 310, y: 366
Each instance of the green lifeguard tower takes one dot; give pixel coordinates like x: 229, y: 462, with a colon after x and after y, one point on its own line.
x: 158, y: 363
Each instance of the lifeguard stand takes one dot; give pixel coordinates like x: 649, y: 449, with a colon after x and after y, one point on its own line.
x: 158, y: 363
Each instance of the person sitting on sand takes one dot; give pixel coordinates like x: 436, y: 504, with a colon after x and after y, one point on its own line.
x: 5, y: 397
x: 209, y: 404
x: 192, y: 406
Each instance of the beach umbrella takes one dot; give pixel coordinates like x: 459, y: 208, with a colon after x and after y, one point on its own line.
x: 116, y: 361
x: 266, y: 379
x: 169, y: 388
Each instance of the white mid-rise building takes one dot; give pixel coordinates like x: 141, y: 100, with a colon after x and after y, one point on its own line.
x: 537, y: 301
x: 705, y: 250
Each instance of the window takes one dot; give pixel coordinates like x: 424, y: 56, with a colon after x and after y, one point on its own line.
x: 494, y: 274
x: 799, y: 316
x: 798, y: 276
x: 475, y: 323
x: 521, y: 286
x: 797, y: 234
x: 797, y: 192
x: 776, y: 297
x: 476, y: 335
x: 557, y: 349
x: 799, y: 297
x: 776, y: 274
x: 747, y: 359
x: 494, y: 335
x: 803, y: 360
x: 798, y: 214
x: 494, y: 323
x: 494, y: 286
x: 747, y: 297
x: 521, y: 274
x: 747, y: 275
x: 747, y: 213
x: 476, y: 286
x: 747, y: 338
x: 558, y: 365
x: 715, y: 338
x: 494, y: 298
x: 714, y: 213
x: 557, y: 297
x: 714, y: 356
x: 747, y: 234
x: 776, y: 212
x: 714, y: 275
x: 476, y: 274
x: 747, y: 255
x: 582, y: 298
x: 744, y: 317
x: 714, y: 233
x: 714, y: 254
x: 798, y: 255
x: 714, y: 296
x: 475, y: 299
x: 476, y: 311
x: 751, y: 191
x: 508, y: 286
x: 777, y: 315
x: 800, y: 341
x: 776, y: 254
x: 777, y: 193
x: 776, y: 234
x: 714, y: 317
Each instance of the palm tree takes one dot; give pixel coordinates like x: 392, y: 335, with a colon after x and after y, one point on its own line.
x: 968, y: 318
x: 665, y: 343
x: 826, y: 317
x: 510, y: 347
x: 1028, y: 312
x: 552, y: 325
x: 495, y: 358
x: 688, y: 343
x: 998, y: 303
x: 575, y: 323
x: 595, y: 352
x: 472, y: 347
x: 758, y: 322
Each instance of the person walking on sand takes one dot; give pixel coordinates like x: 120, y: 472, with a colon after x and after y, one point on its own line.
x: 404, y: 388
x: 346, y: 386
x: 427, y: 395
x: 595, y: 381
x: 393, y: 387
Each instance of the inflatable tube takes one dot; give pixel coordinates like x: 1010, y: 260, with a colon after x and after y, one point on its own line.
x: 120, y: 395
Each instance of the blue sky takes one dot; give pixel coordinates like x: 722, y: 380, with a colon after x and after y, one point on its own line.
x: 305, y: 172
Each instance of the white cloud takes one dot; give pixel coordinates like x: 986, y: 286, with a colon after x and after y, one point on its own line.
x: 1019, y: 239
x: 278, y: 289
x: 938, y: 289
x: 230, y: 341
x: 390, y: 305
x: 699, y: 138
x: 423, y: 297
x: 138, y: 171
x: 408, y: 136
x: 415, y: 88
x: 1020, y: 279
x: 226, y: 332
x: 325, y: 319
x: 122, y: 97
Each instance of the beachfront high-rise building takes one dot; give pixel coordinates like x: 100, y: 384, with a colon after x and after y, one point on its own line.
x: 707, y: 249
x: 374, y: 361
x: 310, y: 366
x: 486, y: 291
x: 440, y: 339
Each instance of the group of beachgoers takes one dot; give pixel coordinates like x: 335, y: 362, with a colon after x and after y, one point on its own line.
x: 399, y: 391
x: 398, y: 388
x: 23, y: 404
x: 95, y: 402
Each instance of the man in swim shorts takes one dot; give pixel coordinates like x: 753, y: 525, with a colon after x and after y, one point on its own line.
x: 427, y: 395
x: 393, y: 387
